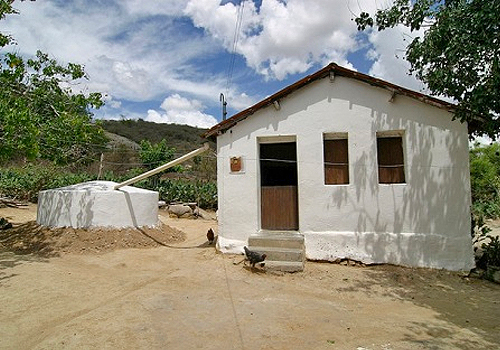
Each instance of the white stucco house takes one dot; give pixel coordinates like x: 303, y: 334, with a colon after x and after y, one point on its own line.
x: 361, y: 168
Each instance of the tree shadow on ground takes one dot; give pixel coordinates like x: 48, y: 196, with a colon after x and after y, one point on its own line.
x: 30, y: 238
x: 440, y: 337
x: 27, y: 242
x: 469, y: 303
x: 32, y: 242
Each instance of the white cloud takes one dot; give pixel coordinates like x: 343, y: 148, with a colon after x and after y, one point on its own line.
x: 131, y: 49
x: 157, y: 7
x: 240, y: 101
x: 110, y: 102
x: 281, y: 38
x: 388, y: 53
x: 288, y: 37
x: 140, y: 51
x: 180, y: 110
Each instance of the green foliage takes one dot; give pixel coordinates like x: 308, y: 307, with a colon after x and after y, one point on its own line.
x: 154, y: 155
x: 24, y: 183
x: 41, y: 119
x: 492, y: 251
x: 183, y: 138
x: 205, y: 167
x: 5, y: 9
x: 41, y: 116
x: 458, y: 56
x: 203, y: 193
x: 176, y: 190
x: 490, y: 247
x: 485, y: 180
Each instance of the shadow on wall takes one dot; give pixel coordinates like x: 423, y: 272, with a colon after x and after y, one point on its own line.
x: 425, y: 221
x: 57, y: 207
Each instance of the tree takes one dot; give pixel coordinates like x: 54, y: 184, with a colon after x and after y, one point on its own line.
x: 485, y: 179
x: 458, y: 56
x: 40, y: 115
x: 5, y: 9
x: 154, y: 155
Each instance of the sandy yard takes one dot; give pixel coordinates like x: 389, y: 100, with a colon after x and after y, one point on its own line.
x: 166, y: 288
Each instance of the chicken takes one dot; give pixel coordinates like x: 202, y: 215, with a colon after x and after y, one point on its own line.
x: 210, y: 236
x: 4, y: 224
x: 254, y: 257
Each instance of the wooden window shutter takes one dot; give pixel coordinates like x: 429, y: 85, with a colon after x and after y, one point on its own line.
x: 390, y: 160
x: 336, y: 160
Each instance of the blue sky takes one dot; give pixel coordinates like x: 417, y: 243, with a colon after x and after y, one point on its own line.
x: 169, y: 60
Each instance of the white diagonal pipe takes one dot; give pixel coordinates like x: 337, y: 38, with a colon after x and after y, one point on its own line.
x: 164, y: 166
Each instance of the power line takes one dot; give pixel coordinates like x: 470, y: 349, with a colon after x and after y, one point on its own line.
x: 237, y: 29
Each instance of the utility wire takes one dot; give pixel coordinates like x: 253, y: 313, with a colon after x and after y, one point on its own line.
x: 237, y: 29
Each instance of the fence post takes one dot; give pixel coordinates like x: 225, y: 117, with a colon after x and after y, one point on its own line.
x: 101, y: 165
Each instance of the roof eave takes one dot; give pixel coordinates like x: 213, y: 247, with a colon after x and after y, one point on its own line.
x: 326, y: 71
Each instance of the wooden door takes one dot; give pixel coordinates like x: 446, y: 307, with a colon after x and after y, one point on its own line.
x: 279, y: 203
x: 279, y: 209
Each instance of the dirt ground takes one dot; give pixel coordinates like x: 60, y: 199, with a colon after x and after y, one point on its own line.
x: 166, y: 288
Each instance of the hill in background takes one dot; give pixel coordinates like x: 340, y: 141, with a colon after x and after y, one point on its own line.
x: 183, y: 138
x: 125, y: 136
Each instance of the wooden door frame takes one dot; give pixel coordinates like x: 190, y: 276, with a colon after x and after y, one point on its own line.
x: 276, y: 140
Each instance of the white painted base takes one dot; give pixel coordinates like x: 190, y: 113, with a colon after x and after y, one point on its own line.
x: 95, y: 204
x: 230, y: 246
x: 407, y: 249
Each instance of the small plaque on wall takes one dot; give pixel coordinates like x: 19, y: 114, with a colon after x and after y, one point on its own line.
x: 236, y: 164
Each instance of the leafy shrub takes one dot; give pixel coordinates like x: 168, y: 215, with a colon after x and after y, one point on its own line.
x: 111, y: 176
x: 492, y: 251
x: 485, y: 180
x: 154, y: 155
x: 203, y: 193
x: 24, y: 183
x: 488, y: 209
x: 39, y: 117
x: 489, y: 254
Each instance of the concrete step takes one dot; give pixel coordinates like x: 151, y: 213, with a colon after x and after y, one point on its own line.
x: 280, y: 254
x: 285, y: 251
x: 278, y: 240
x: 284, y: 266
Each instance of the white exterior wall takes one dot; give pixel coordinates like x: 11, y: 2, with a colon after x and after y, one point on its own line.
x: 424, y: 222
